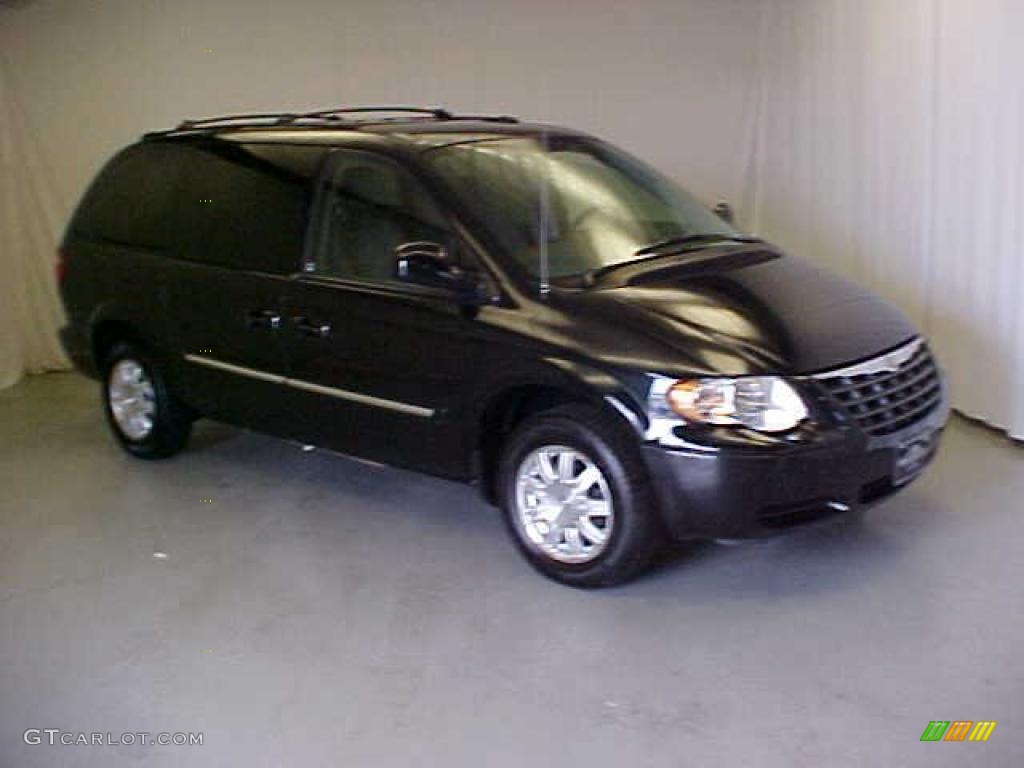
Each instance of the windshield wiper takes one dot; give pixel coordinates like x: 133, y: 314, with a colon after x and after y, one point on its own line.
x: 692, y: 239
x: 674, y: 246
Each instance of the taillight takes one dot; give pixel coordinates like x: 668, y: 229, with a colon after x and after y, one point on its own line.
x: 62, y: 264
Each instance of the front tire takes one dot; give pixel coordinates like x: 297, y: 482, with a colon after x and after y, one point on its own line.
x: 144, y: 416
x: 575, y: 497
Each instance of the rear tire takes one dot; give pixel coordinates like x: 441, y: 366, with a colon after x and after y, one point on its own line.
x: 576, y: 499
x: 145, y: 417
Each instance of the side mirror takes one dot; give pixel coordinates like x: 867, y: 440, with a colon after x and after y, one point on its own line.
x: 428, y: 263
x: 724, y: 211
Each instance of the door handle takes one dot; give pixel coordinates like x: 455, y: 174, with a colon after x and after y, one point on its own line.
x: 263, y: 318
x: 309, y: 327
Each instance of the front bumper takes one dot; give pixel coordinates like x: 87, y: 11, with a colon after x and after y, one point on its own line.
x: 732, y: 492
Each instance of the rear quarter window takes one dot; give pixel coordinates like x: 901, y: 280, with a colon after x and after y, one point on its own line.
x: 131, y: 200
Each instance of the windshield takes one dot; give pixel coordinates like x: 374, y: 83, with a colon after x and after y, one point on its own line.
x: 602, y: 205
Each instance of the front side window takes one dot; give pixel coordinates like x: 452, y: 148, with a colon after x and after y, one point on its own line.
x: 595, y: 205
x: 371, y: 206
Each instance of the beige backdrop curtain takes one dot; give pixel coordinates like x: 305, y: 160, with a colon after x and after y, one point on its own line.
x: 30, y: 311
x: 890, y: 145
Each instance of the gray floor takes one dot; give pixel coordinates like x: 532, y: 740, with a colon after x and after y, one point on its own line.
x: 316, y: 611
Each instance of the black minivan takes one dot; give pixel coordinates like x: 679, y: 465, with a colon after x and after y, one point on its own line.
x: 521, y: 306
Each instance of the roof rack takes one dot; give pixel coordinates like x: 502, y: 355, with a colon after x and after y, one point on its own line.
x: 184, y: 125
x: 488, y: 118
x: 269, y: 119
x: 438, y: 113
x: 224, y: 121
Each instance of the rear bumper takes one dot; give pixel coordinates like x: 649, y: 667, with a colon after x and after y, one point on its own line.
x: 751, y: 492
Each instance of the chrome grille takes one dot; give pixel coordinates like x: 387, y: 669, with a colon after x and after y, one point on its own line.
x: 890, y: 392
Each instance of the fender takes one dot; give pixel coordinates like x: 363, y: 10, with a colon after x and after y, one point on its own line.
x: 610, y: 389
x: 576, y: 378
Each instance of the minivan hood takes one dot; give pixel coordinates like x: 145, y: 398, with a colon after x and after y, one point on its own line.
x: 774, y: 314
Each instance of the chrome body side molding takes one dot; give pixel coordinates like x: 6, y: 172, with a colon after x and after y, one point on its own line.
x: 309, y: 386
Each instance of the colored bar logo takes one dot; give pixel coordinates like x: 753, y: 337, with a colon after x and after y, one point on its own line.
x: 958, y: 730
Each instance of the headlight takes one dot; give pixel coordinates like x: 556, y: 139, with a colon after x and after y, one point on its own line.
x: 763, y: 403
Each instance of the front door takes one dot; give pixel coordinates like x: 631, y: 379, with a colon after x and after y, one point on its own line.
x: 383, y: 364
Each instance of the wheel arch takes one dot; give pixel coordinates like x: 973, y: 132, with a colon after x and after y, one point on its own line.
x: 105, y: 333
x: 518, y: 398
x: 110, y: 323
